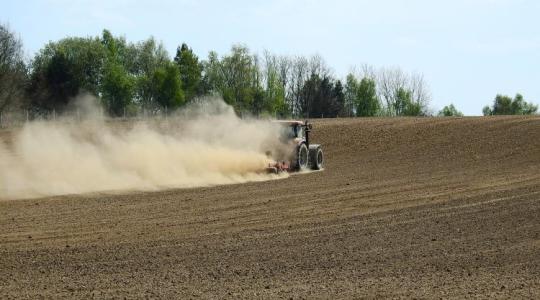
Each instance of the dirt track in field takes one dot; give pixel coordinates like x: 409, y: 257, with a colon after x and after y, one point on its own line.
x: 408, y: 208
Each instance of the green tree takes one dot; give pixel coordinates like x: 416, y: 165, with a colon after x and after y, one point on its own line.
x: 236, y: 77
x: 338, y: 105
x: 13, y: 73
x: 240, y: 77
x: 117, y: 86
x: 487, y: 111
x: 211, y: 82
x: 521, y: 107
x: 108, y: 41
x: 321, y: 97
x: 273, y: 101
x: 299, y: 74
x: 148, y: 57
x: 309, y: 96
x: 63, y: 69
x: 450, y: 111
x: 366, y: 100
x: 190, y: 71
x: 168, y: 87
x: 505, y: 105
x: 258, y: 105
x: 404, y: 104
x: 408, y: 93
x: 117, y: 89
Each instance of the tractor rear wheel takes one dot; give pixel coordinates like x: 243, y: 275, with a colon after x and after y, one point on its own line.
x: 302, y: 157
x: 316, y: 158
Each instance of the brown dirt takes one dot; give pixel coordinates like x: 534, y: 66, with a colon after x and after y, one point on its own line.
x: 406, y: 208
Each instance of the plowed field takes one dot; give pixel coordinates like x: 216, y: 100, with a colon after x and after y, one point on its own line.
x: 425, y: 208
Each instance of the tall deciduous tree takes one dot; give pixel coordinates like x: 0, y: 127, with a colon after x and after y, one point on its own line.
x: 117, y: 89
x: 405, y: 105
x: 361, y: 96
x: 117, y: 86
x: 190, y: 71
x: 149, y: 57
x: 239, y: 77
x: 65, y: 68
x: 236, y: 77
x: 12, y: 69
x: 396, y: 86
x: 299, y: 74
x: 367, y: 102
x: 168, y: 87
x: 274, y: 76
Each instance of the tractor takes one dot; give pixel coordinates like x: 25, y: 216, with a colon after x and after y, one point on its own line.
x: 302, y: 154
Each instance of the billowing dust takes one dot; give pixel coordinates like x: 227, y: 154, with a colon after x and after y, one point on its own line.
x: 204, y: 145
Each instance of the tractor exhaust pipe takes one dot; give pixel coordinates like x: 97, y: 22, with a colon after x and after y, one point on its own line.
x: 307, y: 129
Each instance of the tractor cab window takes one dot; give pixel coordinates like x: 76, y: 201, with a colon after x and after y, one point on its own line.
x: 299, y: 131
x: 293, y: 131
x: 288, y: 132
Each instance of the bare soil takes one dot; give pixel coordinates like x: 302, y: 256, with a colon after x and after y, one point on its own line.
x: 405, y: 208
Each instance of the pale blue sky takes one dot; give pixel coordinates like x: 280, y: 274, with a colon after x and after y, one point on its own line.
x: 468, y: 51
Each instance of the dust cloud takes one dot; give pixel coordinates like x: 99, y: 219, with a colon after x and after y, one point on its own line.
x: 203, y: 145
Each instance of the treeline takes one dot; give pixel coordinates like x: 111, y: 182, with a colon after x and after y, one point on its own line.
x: 129, y: 77
x: 505, y: 105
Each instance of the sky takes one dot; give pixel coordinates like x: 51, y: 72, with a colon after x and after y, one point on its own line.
x: 467, y: 50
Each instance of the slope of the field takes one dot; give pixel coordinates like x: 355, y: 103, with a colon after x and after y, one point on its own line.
x: 431, y: 207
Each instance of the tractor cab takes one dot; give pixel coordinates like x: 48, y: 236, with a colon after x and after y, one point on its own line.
x: 297, y: 131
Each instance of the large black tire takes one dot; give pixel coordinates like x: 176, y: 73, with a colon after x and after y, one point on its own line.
x: 316, y: 157
x: 302, y: 157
